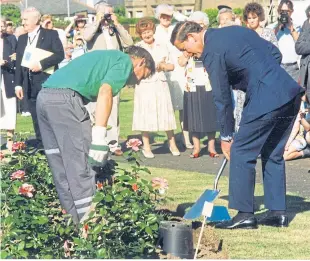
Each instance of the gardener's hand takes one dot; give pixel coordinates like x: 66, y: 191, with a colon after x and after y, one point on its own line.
x: 99, y: 149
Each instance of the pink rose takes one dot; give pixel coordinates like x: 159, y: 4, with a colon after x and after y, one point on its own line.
x: 1, y: 156
x: 134, y: 144
x: 67, y: 248
x: 159, y: 183
x: 20, y: 174
x: 27, y: 190
x: 18, y: 146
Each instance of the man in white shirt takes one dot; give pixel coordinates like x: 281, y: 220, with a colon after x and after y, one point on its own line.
x: 107, y: 34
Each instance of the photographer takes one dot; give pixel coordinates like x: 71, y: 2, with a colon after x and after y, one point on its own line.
x: 287, y: 35
x: 303, y: 48
x: 107, y: 34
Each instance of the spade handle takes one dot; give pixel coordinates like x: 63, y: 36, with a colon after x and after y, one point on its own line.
x: 216, y: 181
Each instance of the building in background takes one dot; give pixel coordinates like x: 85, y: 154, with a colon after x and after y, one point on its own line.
x: 141, y: 8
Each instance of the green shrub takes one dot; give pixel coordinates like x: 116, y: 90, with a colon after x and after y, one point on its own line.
x: 212, y: 14
x: 124, y: 223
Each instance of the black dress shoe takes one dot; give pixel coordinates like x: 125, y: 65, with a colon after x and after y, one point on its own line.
x: 245, y: 223
x: 275, y: 221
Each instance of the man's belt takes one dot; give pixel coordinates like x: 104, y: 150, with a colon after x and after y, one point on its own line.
x: 289, y: 64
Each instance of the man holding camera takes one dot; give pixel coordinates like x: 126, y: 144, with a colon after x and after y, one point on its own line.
x: 108, y: 34
x: 287, y: 36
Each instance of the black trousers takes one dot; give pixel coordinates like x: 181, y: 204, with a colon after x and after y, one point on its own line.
x: 267, y: 136
x: 32, y: 102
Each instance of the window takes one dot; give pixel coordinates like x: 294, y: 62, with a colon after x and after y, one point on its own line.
x: 188, y: 11
x: 139, y: 14
x: 129, y: 14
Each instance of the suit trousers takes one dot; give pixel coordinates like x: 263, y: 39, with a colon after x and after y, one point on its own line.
x: 66, y: 133
x: 32, y: 108
x: 267, y: 136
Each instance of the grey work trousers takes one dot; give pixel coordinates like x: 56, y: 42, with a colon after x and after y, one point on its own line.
x: 66, y: 134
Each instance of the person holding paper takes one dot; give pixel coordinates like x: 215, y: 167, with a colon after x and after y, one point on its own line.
x: 69, y: 141
x: 30, y: 68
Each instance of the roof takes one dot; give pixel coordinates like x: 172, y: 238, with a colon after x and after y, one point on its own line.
x: 58, y: 7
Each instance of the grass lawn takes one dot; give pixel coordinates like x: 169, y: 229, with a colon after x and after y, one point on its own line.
x: 185, y: 187
x: 264, y: 243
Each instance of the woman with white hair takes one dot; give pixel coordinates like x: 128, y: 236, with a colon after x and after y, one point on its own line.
x: 176, y: 79
x: 199, y: 107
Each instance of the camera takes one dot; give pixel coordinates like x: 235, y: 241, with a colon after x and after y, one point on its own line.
x: 284, y: 17
x: 107, y: 18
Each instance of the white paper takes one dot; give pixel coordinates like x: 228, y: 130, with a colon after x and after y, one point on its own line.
x: 207, y: 209
x: 33, y: 55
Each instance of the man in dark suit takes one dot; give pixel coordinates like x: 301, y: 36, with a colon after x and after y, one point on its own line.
x: 238, y: 56
x: 28, y: 81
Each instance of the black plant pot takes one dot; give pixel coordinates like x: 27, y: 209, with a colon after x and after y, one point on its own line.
x: 176, y: 238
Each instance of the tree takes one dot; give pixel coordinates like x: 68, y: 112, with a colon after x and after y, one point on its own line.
x: 120, y: 11
x: 11, y: 12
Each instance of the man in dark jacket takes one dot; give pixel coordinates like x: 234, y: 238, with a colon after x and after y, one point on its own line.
x: 238, y: 56
x: 28, y: 81
x: 303, y: 48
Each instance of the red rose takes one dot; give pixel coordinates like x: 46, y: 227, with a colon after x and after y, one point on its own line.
x: 135, y: 187
x: 20, y: 174
x: 26, y: 190
x: 134, y: 144
x: 18, y: 146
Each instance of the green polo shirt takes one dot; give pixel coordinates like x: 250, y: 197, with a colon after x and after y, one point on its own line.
x: 87, y: 73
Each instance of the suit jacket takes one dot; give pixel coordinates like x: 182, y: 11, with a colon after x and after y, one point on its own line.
x: 303, y: 48
x: 9, y: 47
x: 239, y: 56
x: 96, y: 40
x: 47, y: 40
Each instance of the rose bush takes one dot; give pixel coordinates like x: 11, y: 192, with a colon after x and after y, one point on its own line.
x: 123, y: 224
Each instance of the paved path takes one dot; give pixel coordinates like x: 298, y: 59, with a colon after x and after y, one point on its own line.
x: 298, y: 178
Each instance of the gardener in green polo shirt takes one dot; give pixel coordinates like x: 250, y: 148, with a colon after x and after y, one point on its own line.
x: 71, y: 145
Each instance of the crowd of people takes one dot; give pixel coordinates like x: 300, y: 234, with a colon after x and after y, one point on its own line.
x: 180, y: 83
x: 71, y: 88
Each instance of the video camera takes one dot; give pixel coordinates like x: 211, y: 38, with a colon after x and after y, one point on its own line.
x: 284, y: 17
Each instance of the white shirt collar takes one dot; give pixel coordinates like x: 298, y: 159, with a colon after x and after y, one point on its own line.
x: 34, y: 32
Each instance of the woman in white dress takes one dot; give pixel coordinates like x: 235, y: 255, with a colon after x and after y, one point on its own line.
x: 176, y: 78
x: 8, y: 100
x: 153, y: 109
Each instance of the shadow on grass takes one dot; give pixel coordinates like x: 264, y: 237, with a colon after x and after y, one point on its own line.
x: 295, y: 205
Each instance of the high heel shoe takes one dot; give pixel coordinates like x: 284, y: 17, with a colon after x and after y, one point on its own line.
x: 194, y: 155
x: 187, y: 145
x: 148, y: 154
x: 175, y: 153
x: 213, y: 155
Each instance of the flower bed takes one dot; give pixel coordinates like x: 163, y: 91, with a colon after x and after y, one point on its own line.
x: 124, y: 223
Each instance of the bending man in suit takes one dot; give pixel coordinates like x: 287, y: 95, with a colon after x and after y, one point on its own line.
x: 238, y: 56
x: 28, y: 81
